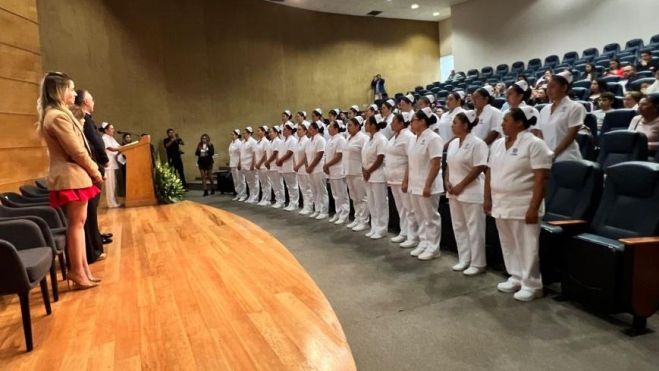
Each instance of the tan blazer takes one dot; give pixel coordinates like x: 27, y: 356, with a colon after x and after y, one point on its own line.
x: 71, y: 166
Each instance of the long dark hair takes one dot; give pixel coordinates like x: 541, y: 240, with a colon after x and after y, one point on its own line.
x: 518, y: 115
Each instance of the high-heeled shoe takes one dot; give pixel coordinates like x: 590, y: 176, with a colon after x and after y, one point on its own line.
x: 77, y: 285
x: 94, y: 279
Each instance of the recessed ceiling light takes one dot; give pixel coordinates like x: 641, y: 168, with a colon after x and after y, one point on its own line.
x: 435, y: 14
x: 414, y: 6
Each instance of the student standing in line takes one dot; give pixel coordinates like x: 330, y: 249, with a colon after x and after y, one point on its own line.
x: 334, y: 170
x: 303, y: 179
x: 239, y: 184
x: 352, y: 165
x: 514, y: 188
x: 387, y: 111
x: 247, y: 164
x: 454, y: 106
x: 260, y: 157
x: 315, y: 160
x: 423, y: 181
x: 395, y: 162
x: 286, y: 163
x: 373, y: 170
x: 466, y: 159
x: 489, y: 118
x: 274, y: 176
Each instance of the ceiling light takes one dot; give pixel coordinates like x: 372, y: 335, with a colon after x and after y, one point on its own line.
x: 415, y: 6
x: 435, y: 14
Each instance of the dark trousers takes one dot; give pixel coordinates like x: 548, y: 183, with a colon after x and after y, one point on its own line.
x: 177, y: 164
x: 93, y: 239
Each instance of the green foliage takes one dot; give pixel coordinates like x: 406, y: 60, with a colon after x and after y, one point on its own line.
x: 168, y: 185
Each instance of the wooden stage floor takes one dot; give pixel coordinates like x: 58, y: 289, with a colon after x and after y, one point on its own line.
x: 185, y: 287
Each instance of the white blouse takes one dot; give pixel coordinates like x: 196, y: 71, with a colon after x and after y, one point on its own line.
x: 352, y: 154
x: 336, y: 144
x: 395, y: 160
x: 489, y: 120
x: 445, y: 122
x: 373, y: 148
x: 234, y: 152
x: 315, y: 145
x: 259, y: 151
x: 290, y: 144
x: 110, y: 142
x: 461, y: 158
x: 427, y: 146
x: 555, y: 126
x: 511, y: 174
x: 300, y: 155
x: 247, y: 153
x: 275, y: 145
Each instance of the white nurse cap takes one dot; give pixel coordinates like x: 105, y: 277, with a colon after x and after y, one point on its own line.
x: 287, y: 113
x: 529, y: 112
x: 289, y: 125
x: 431, y: 98
x: 427, y: 111
x: 360, y: 120
x: 407, y: 116
x: 567, y: 75
x: 355, y: 108
x: 378, y: 118
x: 303, y: 113
x: 489, y: 89
x: 318, y: 111
x: 374, y: 107
x: 522, y: 85
x: 391, y: 103
x: 306, y: 124
x: 471, y: 115
x: 236, y: 131
x: 249, y: 130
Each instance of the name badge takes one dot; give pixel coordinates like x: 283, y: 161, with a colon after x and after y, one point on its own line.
x: 514, y: 152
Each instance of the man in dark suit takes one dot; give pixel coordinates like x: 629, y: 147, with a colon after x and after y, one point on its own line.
x: 173, y: 145
x: 94, y: 240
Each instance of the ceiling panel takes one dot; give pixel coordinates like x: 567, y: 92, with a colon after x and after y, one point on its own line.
x: 400, y: 9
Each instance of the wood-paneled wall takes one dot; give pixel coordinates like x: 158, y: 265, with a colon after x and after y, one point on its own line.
x: 23, y: 156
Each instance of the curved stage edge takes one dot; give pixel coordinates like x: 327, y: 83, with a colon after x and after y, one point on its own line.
x: 185, y: 286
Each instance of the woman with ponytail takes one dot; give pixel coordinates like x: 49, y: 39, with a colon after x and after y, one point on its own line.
x: 260, y: 158
x: 373, y: 170
x: 423, y: 182
x: 286, y: 163
x: 514, y: 189
x: 303, y: 179
x: 274, y: 177
x: 466, y: 160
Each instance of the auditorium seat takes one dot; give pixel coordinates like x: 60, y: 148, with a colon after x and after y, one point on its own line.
x: 41, y: 183
x: 534, y: 64
x: 628, y: 60
x: 24, y: 262
x: 12, y: 199
x: 609, y: 79
x: 611, y: 264
x: 586, y: 145
x: 575, y: 188
x: 487, y: 72
x: 517, y: 67
x: 570, y: 57
x: 33, y: 191
x: 540, y: 106
x: 622, y: 146
x: 647, y: 74
x: 590, y: 121
x: 586, y: 104
x: 590, y: 54
x: 498, y: 102
x: 611, y: 49
x: 418, y: 88
x: 618, y: 103
x: 636, y: 85
x: 502, y: 70
x: 552, y: 61
x: 618, y: 119
x: 473, y: 73
x: 582, y: 84
x: 580, y: 93
x: 634, y: 45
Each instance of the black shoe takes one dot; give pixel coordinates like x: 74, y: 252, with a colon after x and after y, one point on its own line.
x: 107, y: 235
x: 213, y: 191
x: 107, y: 241
x: 205, y: 193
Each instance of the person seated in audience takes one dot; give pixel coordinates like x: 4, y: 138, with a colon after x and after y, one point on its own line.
x: 647, y: 63
x: 605, y: 103
x: 522, y: 78
x: 451, y: 76
x: 628, y: 77
x: 500, y: 90
x: 539, y: 96
x: 644, y: 87
x: 631, y: 99
x: 615, y: 69
x: 590, y: 72
x: 654, y: 88
x: 647, y: 122
x: 597, y: 87
x: 544, y: 79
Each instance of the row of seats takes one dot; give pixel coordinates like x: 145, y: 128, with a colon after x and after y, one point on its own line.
x: 32, y: 236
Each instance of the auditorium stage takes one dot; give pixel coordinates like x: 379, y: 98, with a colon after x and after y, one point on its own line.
x: 185, y: 287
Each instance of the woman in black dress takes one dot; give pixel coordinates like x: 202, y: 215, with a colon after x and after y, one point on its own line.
x: 204, y: 153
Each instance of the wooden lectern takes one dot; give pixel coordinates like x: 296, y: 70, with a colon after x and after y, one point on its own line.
x: 139, y: 174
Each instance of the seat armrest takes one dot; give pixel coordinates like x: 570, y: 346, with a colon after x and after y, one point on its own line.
x: 570, y: 227
x: 641, y: 259
x: 23, y: 234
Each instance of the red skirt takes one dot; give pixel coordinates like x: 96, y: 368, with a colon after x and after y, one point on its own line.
x: 64, y: 196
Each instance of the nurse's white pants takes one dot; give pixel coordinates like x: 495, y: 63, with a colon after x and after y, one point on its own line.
x: 468, y: 222
x: 340, y: 195
x: 264, y: 181
x: 293, y: 191
x: 357, y: 189
x: 519, y: 243
x: 408, y: 224
x: 238, y: 182
x: 111, y: 188
x: 426, y: 212
x: 319, y: 189
x: 277, y: 185
x: 304, y: 180
x: 252, y: 180
x: 378, y: 205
